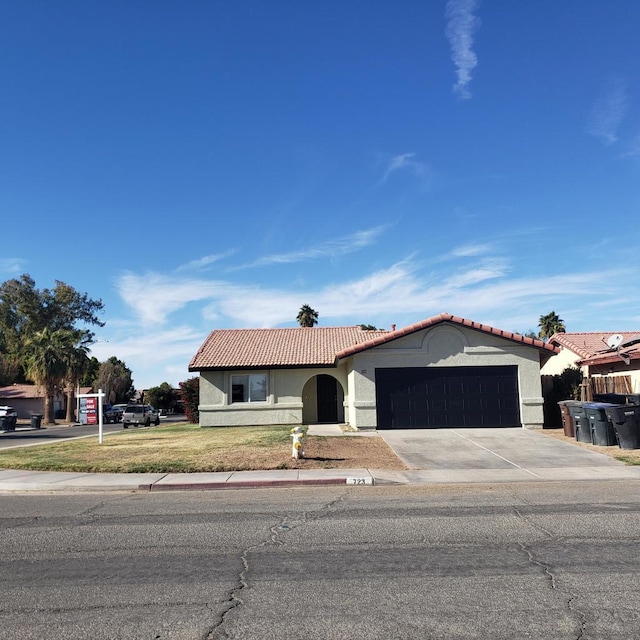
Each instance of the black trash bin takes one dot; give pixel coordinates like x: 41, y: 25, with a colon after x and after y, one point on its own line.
x: 625, y: 419
x: 617, y: 398
x: 581, y: 424
x: 8, y: 423
x: 602, y: 433
x: 36, y: 421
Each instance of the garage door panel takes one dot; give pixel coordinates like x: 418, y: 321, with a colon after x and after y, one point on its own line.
x: 432, y: 397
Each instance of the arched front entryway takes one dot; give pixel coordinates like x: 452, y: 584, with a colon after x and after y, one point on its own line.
x: 322, y: 400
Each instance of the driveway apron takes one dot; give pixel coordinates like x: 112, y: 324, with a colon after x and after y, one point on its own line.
x: 507, y: 448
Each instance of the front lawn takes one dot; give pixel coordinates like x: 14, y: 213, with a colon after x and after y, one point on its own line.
x: 188, y: 449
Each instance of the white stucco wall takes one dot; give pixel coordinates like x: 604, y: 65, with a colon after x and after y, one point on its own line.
x: 284, y: 403
x: 558, y: 363
x: 444, y: 346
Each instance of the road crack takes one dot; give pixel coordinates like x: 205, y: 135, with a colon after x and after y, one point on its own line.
x: 286, y: 524
x: 553, y: 582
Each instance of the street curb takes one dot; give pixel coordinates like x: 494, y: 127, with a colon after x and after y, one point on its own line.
x: 249, y: 484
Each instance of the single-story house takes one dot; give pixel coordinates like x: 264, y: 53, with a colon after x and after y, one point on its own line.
x: 445, y: 371
x: 598, y: 354
x: 28, y: 399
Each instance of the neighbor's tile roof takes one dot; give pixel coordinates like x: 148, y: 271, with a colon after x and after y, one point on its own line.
x: 298, y: 346
x: 21, y: 391
x: 316, y: 346
x: 590, y: 344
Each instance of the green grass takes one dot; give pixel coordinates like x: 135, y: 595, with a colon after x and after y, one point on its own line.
x: 628, y: 459
x: 170, y: 449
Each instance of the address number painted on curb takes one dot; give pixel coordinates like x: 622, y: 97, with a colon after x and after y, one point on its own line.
x: 368, y: 480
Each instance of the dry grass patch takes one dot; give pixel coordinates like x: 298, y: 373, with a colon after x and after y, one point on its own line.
x: 189, y: 449
x: 629, y: 456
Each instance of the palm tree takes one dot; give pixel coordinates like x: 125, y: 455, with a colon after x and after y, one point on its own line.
x: 307, y: 317
x: 550, y: 324
x: 76, y: 359
x: 47, y: 359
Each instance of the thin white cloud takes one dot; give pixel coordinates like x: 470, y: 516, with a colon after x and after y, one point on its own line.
x: 201, y: 264
x: 461, y: 26
x: 470, y: 250
x: 402, y: 293
x: 153, y: 356
x: 328, y: 249
x: 153, y: 297
x: 608, y: 113
x: 405, y: 162
x: 633, y: 148
x: 12, y: 265
x: 401, y: 289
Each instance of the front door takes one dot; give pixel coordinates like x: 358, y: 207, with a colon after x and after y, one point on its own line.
x: 327, y: 388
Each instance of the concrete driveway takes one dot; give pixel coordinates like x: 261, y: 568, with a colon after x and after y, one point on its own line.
x: 497, y: 455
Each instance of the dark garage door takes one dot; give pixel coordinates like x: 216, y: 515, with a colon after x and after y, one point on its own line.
x: 432, y: 397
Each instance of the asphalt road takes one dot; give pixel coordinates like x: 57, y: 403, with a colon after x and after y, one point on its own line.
x: 535, y: 560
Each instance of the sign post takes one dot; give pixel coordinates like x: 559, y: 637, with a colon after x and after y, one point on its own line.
x: 91, y: 410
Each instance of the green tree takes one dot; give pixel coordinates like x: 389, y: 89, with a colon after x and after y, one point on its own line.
x: 163, y: 396
x: 26, y: 312
x: 90, y: 374
x: 368, y: 327
x: 550, y: 324
x: 307, y: 317
x: 114, y: 378
x: 10, y: 369
x: 191, y: 399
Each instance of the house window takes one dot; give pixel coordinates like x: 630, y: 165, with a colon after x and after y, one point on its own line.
x: 249, y: 388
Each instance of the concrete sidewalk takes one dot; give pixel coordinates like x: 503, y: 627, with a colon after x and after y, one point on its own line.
x: 431, y: 456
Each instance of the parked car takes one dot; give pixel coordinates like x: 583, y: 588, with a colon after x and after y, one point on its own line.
x: 8, y: 411
x: 139, y: 414
x: 108, y: 414
x: 119, y: 409
x: 8, y: 418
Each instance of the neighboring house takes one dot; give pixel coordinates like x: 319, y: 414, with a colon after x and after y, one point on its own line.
x: 445, y: 371
x: 28, y: 399
x: 590, y: 352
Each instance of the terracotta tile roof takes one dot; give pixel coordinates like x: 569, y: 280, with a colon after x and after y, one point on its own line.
x: 316, y: 346
x: 21, y: 391
x: 290, y: 347
x: 591, y: 344
x: 447, y: 317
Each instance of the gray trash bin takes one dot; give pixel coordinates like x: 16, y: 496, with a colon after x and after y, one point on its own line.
x: 580, y: 421
x: 36, y: 421
x: 602, y: 433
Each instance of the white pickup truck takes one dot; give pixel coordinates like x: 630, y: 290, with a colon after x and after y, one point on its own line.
x: 139, y: 414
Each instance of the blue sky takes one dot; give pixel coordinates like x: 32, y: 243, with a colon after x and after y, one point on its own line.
x: 201, y: 165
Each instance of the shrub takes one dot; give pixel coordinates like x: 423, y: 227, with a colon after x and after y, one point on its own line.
x: 191, y: 399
